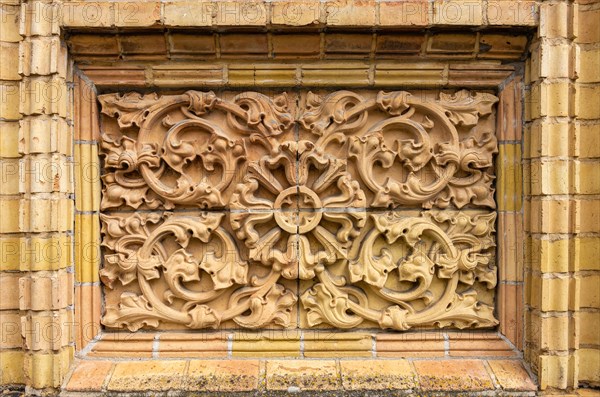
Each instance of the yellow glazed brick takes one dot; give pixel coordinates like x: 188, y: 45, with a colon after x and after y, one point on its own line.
x: 555, y: 99
x: 588, y: 101
x: 9, y: 297
x: 589, y: 29
x: 10, y: 99
x: 87, y: 14
x: 35, y: 253
x: 46, y: 253
x: 272, y: 343
x: 555, y: 255
x: 188, y: 13
x: 588, y: 216
x: 459, y: 12
x: 10, y: 179
x: 589, y: 324
x: 550, y: 294
x: 87, y: 247
x: 10, y: 253
x: 40, y: 56
x: 44, y: 370
x: 510, y: 246
x: 136, y: 14
x: 45, y: 134
x: 550, y: 177
x: 556, y: 334
x: 510, y: 180
x: 46, y: 173
x: 9, y: 53
x: 9, y: 139
x: 589, y: 365
x: 588, y: 140
x: 549, y: 139
x: 11, y: 363
x: 337, y: 344
x: 351, y: 13
x: 10, y: 322
x: 46, y: 215
x: 9, y: 28
x: 404, y: 13
x: 590, y: 293
x: 40, y: 18
x: 588, y: 177
x: 550, y: 216
x: 587, y: 251
x: 236, y: 13
x: 47, y: 330
x: 555, y: 60
x: 295, y: 13
x: 44, y: 95
x: 272, y: 77
x: 554, y: 371
x: 9, y: 214
x: 512, y: 13
x: 554, y: 20
x: 588, y: 62
x: 48, y: 291
x: 87, y: 178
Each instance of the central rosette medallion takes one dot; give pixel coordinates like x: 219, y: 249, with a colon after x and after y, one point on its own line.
x: 307, y: 194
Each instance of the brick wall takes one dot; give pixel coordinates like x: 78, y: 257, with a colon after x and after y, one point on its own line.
x: 562, y: 208
x: 561, y: 167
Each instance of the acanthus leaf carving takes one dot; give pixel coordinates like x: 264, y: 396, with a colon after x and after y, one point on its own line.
x: 299, y: 197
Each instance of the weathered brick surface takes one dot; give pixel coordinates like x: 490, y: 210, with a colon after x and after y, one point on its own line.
x: 561, y: 156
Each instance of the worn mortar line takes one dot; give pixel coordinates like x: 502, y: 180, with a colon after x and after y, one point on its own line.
x: 374, y: 345
x: 446, y: 345
x: 509, y: 343
x: 88, y: 348
x: 230, y: 345
x: 491, y: 374
x: 302, y: 344
x: 108, y: 377
x: 155, y: 345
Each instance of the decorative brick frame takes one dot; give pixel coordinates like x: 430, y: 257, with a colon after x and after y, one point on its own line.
x: 506, y: 80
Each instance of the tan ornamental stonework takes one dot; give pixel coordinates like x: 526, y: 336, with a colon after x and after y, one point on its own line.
x: 540, y: 59
x: 299, y: 192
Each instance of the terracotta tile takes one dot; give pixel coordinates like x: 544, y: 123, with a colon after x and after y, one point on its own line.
x: 89, y: 375
x: 235, y: 44
x: 147, y: 375
x: 121, y: 344
x: 511, y: 375
x: 269, y: 343
x: 348, y: 43
x: 410, y: 345
x: 223, y: 375
x: 377, y: 374
x: 479, y: 344
x: 337, y: 344
x: 458, y: 375
x: 305, y: 374
x: 192, y: 345
x: 399, y: 43
x: 296, y: 44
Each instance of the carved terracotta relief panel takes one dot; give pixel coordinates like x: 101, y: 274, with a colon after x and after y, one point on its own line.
x: 306, y: 209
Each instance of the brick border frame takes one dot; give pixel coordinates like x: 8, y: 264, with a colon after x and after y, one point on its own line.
x: 508, y: 341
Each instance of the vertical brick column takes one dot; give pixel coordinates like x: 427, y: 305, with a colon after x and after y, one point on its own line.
x: 11, y: 344
x: 562, y: 206
x: 586, y: 245
x: 37, y: 204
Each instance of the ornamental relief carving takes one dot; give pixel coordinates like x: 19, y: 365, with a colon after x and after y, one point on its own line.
x: 343, y: 209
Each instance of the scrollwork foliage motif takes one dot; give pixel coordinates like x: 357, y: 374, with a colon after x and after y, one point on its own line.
x: 313, y: 206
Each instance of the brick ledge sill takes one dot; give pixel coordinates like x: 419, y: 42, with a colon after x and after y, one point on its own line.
x: 303, y: 377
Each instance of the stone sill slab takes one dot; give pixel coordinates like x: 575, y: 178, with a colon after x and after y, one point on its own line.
x: 304, y: 376
x: 298, y: 344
